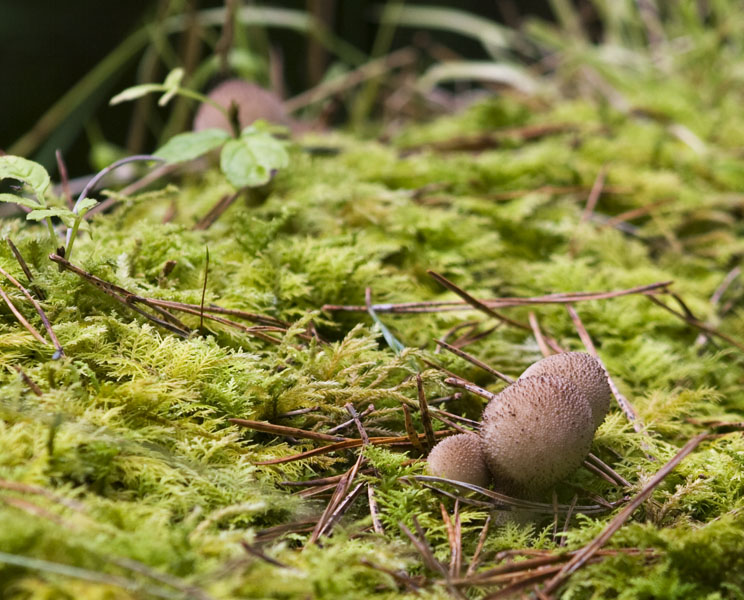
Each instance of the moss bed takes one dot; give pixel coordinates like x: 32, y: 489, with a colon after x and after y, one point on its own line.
x: 124, y: 478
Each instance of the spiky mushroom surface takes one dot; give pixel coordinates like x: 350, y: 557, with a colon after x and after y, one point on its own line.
x: 459, y: 457
x: 535, y: 433
x: 253, y: 102
x: 585, y: 372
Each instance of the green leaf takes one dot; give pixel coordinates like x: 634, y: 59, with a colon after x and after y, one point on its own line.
x: 31, y: 173
x: 190, y: 145
x: 250, y: 160
x: 85, y: 205
x: 65, y: 214
x: 20, y: 200
x: 171, y: 83
x: 136, y: 91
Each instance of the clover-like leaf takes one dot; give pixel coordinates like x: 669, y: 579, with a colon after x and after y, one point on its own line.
x: 27, y: 171
x: 20, y: 200
x: 84, y: 205
x: 190, y: 145
x: 64, y: 214
x: 251, y: 159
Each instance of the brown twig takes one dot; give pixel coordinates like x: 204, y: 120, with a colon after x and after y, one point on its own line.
x: 340, y: 496
x: 204, y: 291
x: 345, y: 424
x: 594, y: 194
x: 715, y: 299
x: 358, y: 422
x: 585, y: 554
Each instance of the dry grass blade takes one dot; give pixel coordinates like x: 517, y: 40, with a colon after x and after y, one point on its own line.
x: 715, y: 299
x: 374, y: 510
x: 622, y: 401
x: 399, y: 576
x: 471, y: 387
x: 455, y: 305
x: 567, y: 522
x: 28, y: 381
x: 424, y: 408
x: 504, y: 502
x: 40, y: 311
x: 253, y: 551
x: 586, y: 553
x: 26, y: 271
x: 478, y: 363
x: 122, y: 296
x: 21, y: 319
x: 698, y: 324
x: 345, y: 424
x: 454, y: 537
x: 358, y: 422
x: 539, y: 337
x: 369, y: 70
x: 600, y: 464
x: 594, y: 194
x: 346, y: 445
x: 286, y: 430
x: 337, y: 500
x: 248, y: 316
x: 342, y: 508
x: 476, y: 555
x: 217, y: 211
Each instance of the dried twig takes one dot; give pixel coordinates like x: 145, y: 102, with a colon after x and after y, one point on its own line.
x: 28, y: 381
x: 217, y: 211
x: 476, y: 555
x: 411, y: 431
x: 594, y: 194
x: 471, y: 387
x: 26, y: 271
x: 258, y: 553
x: 21, y: 319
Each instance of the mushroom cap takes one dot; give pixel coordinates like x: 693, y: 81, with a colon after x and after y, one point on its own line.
x: 253, y: 101
x: 536, y: 432
x: 585, y: 372
x: 459, y: 457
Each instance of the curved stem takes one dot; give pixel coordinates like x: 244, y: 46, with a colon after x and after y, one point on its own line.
x: 71, y: 232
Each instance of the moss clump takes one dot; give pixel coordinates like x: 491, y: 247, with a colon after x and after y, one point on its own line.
x: 128, y: 454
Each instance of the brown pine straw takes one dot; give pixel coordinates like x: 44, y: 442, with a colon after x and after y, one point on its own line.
x: 21, y: 319
x: 478, y: 363
x: 454, y: 305
x: 590, y: 550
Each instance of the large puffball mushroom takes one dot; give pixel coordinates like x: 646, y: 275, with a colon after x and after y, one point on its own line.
x: 536, y: 432
x: 253, y: 102
x: 585, y: 372
x: 459, y: 457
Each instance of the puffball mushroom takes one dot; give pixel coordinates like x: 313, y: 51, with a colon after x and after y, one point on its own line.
x: 253, y: 102
x: 536, y: 432
x: 585, y: 372
x: 459, y: 457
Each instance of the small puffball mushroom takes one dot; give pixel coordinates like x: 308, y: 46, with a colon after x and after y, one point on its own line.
x: 585, y: 372
x: 253, y: 102
x: 459, y: 457
x: 536, y: 432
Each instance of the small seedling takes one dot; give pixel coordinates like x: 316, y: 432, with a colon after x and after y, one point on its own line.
x: 249, y: 158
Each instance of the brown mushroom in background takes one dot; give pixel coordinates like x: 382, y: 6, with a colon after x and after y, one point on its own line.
x: 459, y: 457
x: 253, y: 103
x: 536, y: 432
x: 585, y: 372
